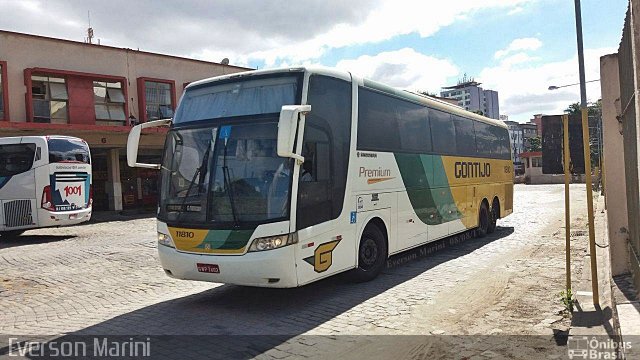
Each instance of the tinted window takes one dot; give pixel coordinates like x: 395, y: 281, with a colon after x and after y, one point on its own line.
x: 377, y: 125
x: 325, y: 147
x: 68, y: 150
x: 484, y: 138
x: 465, y: 137
x: 16, y: 158
x: 249, y: 97
x: 492, y: 141
x: 387, y: 123
x: 504, y: 145
x: 413, y: 126
x: 442, y: 132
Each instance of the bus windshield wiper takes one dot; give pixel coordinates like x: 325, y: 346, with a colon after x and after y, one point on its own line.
x: 227, y: 184
x: 203, y: 165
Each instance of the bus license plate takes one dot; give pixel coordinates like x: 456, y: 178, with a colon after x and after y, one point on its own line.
x: 208, y: 268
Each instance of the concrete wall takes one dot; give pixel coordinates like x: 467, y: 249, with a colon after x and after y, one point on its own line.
x: 22, y: 51
x: 537, y: 177
x: 615, y: 200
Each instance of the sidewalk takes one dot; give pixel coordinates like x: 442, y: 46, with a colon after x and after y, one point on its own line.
x: 590, y: 319
x: 617, y: 317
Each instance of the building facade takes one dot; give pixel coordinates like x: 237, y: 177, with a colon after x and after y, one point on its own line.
x: 516, y: 136
x: 529, y: 130
x: 472, y: 97
x: 52, y: 86
x: 537, y: 120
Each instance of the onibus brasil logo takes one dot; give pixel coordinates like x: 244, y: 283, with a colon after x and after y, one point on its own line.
x: 584, y: 347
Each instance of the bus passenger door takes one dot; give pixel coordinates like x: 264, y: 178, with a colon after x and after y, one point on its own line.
x: 323, y: 239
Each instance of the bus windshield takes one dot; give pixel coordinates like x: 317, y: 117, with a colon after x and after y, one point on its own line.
x: 68, y: 150
x: 225, y: 174
x: 264, y: 95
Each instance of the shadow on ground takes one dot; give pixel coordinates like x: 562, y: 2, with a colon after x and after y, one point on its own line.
x: 249, y: 321
x: 125, y: 215
x: 26, y: 239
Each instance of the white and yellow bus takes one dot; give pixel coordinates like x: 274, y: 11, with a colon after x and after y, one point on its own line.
x: 44, y: 181
x: 283, y: 177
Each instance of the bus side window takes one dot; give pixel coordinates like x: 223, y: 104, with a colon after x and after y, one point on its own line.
x: 38, y: 153
x: 443, y: 133
x: 314, y: 186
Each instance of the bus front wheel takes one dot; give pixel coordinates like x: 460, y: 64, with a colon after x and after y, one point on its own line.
x: 483, y: 220
x: 372, y: 254
x: 10, y: 234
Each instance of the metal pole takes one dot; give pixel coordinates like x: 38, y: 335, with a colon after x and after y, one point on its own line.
x: 587, y: 157
x: 583, y: 86
x: 567, y: 212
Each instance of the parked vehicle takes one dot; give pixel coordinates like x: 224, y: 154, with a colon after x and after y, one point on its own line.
x: 283, y: 177
x: 44, y: 181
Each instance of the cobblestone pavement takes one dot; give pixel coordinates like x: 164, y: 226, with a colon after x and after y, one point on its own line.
x: 105, y: 278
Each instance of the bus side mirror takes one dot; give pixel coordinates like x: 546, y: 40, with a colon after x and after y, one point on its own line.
x: 134, y: 141
x: 287, y: 127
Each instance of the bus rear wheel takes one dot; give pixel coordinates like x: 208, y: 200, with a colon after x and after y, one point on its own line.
x: 483, y: 220
x: 493, y: 218
x: 372, y: 254
x: 11, y: 234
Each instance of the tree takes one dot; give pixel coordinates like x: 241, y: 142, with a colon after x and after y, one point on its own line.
x: 535, y: 144
x: 594, y: 111
x: 593, y: 108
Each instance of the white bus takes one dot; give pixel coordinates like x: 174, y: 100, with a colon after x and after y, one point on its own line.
x: 44, y: 181
x: 282, y: 177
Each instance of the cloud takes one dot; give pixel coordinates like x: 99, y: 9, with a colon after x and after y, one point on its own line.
x: 516, y: 10
x: 519, y: 45
x: 523, y: 86
x: 271, y: 31
x: 404, y: 68
x: 518, y: 58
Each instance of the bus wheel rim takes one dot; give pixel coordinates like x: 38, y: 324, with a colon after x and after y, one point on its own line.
x: 368, y: 252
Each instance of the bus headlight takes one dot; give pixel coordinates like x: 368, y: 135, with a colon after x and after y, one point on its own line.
x: 164, y: 239
x: 273, y: 242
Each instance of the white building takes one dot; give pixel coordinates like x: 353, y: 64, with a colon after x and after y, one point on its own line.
x: 516, y: 135
x: 472, y: 97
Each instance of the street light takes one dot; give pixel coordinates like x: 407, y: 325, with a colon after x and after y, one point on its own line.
x: 553, y: 87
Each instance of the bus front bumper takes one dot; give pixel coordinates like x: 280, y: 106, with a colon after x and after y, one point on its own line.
x: 271, y: 268
x: 63, y: 218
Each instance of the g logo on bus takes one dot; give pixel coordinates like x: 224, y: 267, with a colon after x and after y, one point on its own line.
x: 323, y: 256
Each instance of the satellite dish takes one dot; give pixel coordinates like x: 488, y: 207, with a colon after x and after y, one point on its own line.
x: 225, y: 61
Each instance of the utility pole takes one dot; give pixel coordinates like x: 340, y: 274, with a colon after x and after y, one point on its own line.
x: 567, y: 208
x: 587, y: 157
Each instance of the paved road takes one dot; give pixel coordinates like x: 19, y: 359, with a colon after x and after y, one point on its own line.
x: 104, y: 278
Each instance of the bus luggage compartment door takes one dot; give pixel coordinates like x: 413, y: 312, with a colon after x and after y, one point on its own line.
x: 17, y: 214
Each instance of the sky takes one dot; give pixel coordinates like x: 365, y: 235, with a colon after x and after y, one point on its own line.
x: 516, y: 47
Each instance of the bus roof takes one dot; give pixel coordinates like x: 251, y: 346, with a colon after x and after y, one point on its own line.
x: 404, y: 94
x: 18, y: 139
